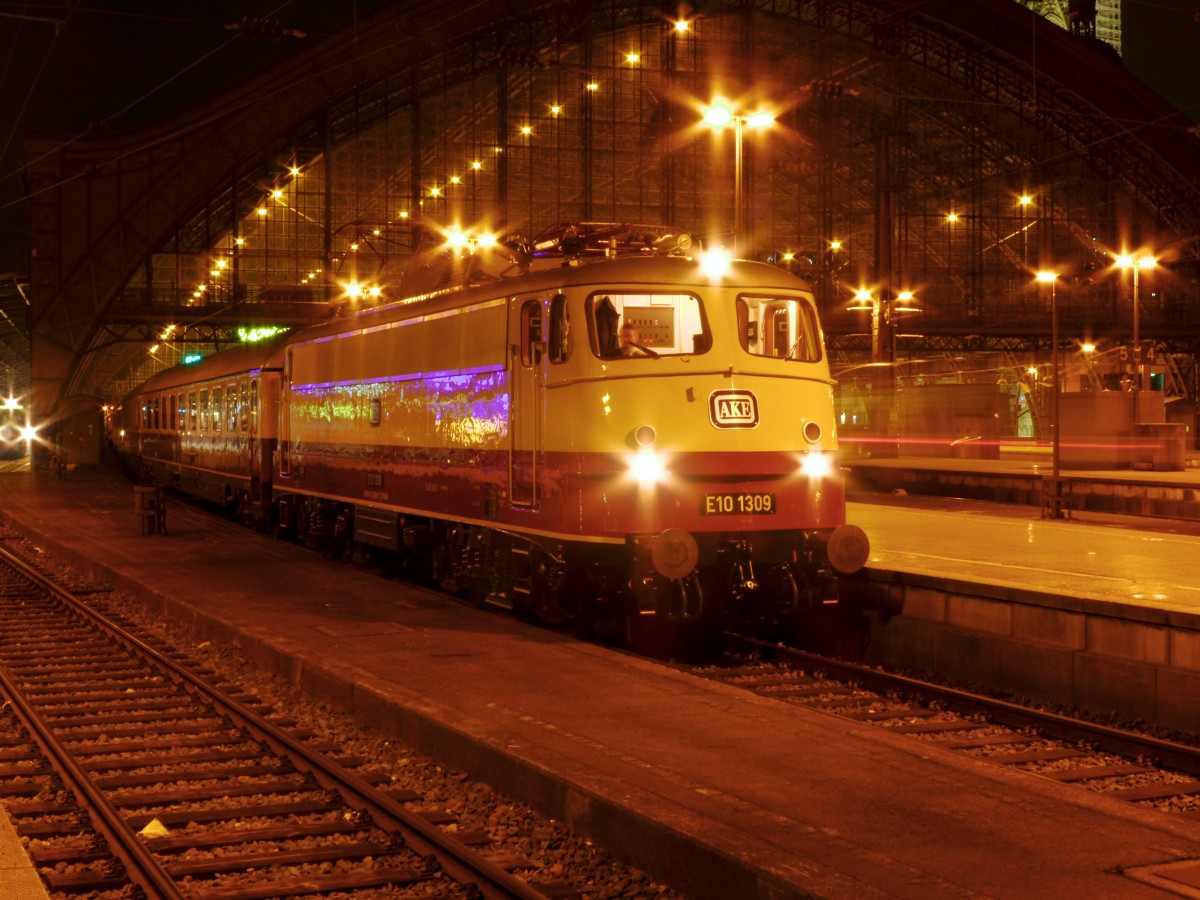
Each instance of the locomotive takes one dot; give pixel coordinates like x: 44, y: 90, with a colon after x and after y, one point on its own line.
x: 585, y: 433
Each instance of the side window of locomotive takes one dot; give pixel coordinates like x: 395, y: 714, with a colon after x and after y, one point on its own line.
x: 647, y: 325
x: 560, y: 330
x: 780, y: 327
x: 531, y: 333
x: 216, y: 409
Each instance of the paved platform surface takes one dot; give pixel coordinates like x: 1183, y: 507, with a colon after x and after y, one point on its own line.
x: 637, y: 754
x: 1133, y: 562
x: 18, y: 879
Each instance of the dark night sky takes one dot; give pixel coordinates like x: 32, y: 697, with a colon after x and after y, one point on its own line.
x: 1161, y: 43
x: 65, y: 64
x: 134, y: 61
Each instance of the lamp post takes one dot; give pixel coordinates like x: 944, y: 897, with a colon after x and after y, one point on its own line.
x: 1052, y: 505
x: 716, y: 117
x: 1128, y: 261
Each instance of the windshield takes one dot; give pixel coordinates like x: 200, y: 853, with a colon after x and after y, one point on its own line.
x: 647, y: 325
x: 782, y: 327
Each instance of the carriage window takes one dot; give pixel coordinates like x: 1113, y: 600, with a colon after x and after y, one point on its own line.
x: 216, y: 409
x: 203, y: 410
x: 243, y: 407
x: 647, y: 325
x: 174, y: 426
x: 191, y: 411
x: 231, y: 409
x: 154, y: 420
x: 254, y: 404
x: 782, y: 327
x: 560, y: 330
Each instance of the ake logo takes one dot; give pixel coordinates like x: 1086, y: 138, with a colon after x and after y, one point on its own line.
x: 733, y: 409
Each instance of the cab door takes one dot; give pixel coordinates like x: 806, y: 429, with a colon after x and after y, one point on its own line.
x: 525, y: 410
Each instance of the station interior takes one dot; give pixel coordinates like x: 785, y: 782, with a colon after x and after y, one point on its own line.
x: 986, y: 204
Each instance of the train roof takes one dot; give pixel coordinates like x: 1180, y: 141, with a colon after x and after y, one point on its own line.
x: 243, y: 358
x: 651, y: 272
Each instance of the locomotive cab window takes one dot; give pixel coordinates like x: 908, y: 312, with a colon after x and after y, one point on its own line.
x: 632, y: 326
x: 781, y: 327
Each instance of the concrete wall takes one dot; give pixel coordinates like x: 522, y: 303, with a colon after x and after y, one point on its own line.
x: 1138, y: 663
x: 1119, y: 430
x: 963, y: 421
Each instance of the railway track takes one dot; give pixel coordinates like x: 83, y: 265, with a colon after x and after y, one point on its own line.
x: 127, y: 771
x: 1124, y: 764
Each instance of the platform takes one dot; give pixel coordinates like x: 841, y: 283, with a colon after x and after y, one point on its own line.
x: 641, y: 757
x: 1026, y: 476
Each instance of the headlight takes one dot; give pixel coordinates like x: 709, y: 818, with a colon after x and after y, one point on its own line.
x: 647, y: 468
x: 816, y: 465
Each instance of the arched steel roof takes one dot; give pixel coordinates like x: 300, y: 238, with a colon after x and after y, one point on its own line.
x: 895, y: 112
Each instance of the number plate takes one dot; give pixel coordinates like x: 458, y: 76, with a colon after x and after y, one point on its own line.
x: 737, y: 504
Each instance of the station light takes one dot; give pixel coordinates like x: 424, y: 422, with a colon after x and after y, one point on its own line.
x: 261, y: 333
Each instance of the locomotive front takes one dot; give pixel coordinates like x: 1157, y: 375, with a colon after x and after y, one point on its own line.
x: 694, y: 423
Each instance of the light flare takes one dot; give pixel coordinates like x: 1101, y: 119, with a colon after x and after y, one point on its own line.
x: 647, y: 468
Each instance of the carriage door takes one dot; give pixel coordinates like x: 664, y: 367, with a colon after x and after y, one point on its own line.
x: 525, y: 410
x: 284, y: 444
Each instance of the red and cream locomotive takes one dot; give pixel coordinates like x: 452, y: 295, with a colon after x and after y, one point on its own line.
x: 645, y: 437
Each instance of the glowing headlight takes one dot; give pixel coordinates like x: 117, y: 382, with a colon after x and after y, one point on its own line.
x: 715, y: 264
x: 816, y: 465
x: 647, y: 468
x: 28, y: 433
